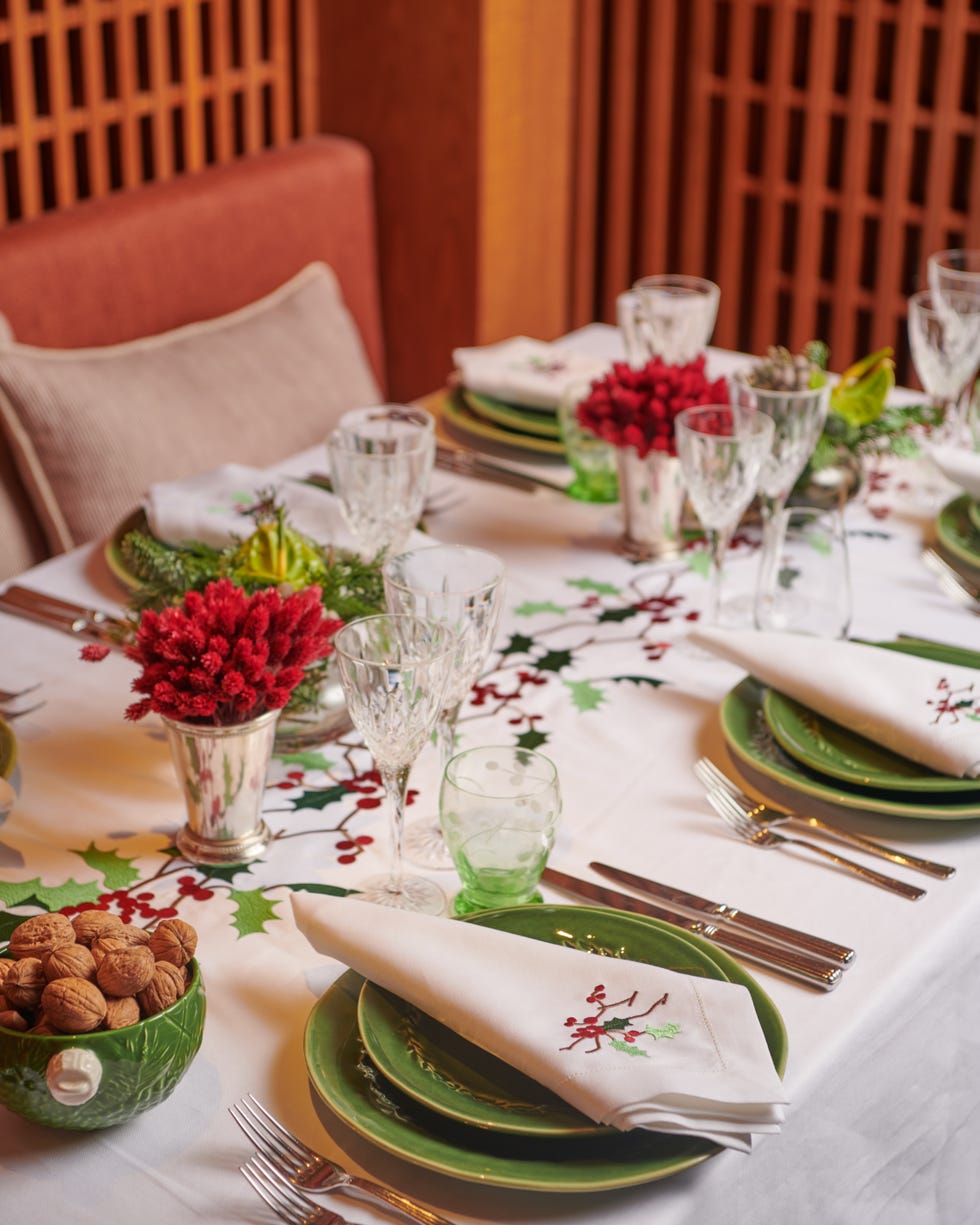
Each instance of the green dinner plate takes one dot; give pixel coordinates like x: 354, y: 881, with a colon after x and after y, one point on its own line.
x: 8, y: 749
x: 462, y: 419
x: 112, y: 550
x: 751, y: 741
x: 956, y: 532
x: 435, y: 1066
x: 973, y: 513
x: 524, y: 420
x: 350, y: 1085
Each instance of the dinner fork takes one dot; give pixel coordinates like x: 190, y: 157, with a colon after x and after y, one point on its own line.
x: 760, y: 835
x: 305, y: 1168
x: 9, y: 714
x: 11, y: 695
x: 285, y: 1201
x: 956, y: 585
x: 767, y: 814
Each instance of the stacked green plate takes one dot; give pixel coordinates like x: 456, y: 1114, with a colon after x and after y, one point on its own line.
x: 406, y: 1083
x: 480, y: 419
x: 808, y: 753
x: 8, y: 749
x: 958, y: 531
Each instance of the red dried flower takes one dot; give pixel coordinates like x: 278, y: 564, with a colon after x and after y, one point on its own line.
x: 224, y: 657
x: 636, y: 408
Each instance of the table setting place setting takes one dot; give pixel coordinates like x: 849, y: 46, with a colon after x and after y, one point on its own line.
x: 404, y: 886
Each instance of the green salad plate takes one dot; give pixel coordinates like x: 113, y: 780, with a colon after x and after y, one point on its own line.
x: 957, y: 533
x: 349, y: 1083
x: 8, y: 749
x: 791, y: 745
x: 460, y: 418
x: 542, y: 422
x: 435, y: 1066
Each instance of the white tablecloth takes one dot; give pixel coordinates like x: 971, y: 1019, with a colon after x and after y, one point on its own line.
x: 883, y: 1122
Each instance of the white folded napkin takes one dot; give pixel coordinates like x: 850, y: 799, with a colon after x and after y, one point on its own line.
x: 212, y: 507
x: 959, y: 466
x: 926, y: 711
x: 525, y: 371
x: 627, y: 1044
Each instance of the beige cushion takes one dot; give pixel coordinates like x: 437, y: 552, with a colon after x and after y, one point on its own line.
x: 90, y: 429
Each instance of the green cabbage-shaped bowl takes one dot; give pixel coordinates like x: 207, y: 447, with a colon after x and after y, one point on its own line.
x: 87, y: 1081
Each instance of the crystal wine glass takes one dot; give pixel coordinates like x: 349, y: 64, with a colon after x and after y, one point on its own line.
x: 722, y: 448
x: 459, y: 587
x: 381, y: 460
x: 395, y: 670
x: 944, y: 339
x: 957, y: 272
x: 668, y: 316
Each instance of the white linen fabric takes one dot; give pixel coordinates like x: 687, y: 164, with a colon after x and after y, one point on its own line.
x: 647, y: 1048
x: 525, y: 371
x: 959, y: 466
x: 926, y: 711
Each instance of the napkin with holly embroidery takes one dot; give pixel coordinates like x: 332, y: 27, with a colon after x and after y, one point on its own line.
x: 921, y: 709
x: 959, y: 466
x: 525, y: 371
x: 628, y: 1044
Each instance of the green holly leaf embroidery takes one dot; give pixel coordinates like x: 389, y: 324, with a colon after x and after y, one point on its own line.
x: 588, y: 584
x: 116, y: 871
x: 670, y: 1030
x: 332, y: 890
x: 628, y: 1048
x: 640, y: 680
x: 49, y: 897
x: 585, y: 695
x: 531, y: 607
x: 553, y: 661
x: 252, y: 911
x: 531, y: 739
x: 700, y: 562
x: 225, y: 872
x: 617, y: 614
x: 787, y: 576
x: 312, y: 760
x: 519, y: 644
x: 320, y: 799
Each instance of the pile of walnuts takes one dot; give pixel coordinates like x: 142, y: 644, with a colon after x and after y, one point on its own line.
x: 94, y: 972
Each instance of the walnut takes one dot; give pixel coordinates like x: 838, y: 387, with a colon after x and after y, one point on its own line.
x: 121, y: 1012
x: 5, y: 964
x: 40, y: 934
x: 175, y: 941
x: 125, y: 971
x: 43, y: 1027
x: 11, y: 1019
x: 106, y: 944
x: 132, y: 935
x: 165, y: 988
x: 92, y: 924
x: 73, y: 1005
x: 69, y: 961
x: 24, y: 983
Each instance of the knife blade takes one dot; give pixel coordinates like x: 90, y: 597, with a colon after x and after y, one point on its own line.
x: 466, y: 463
x: 782, y: 960
x: 62, y: 614
x: 840, y: 954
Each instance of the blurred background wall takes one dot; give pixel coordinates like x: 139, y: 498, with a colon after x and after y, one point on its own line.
x: 533, y: 157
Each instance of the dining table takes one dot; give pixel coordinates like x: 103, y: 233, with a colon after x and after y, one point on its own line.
x: 591, y: 667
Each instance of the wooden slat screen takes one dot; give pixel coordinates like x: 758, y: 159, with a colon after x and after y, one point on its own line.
x: 805, y: 154
x: 99, y: 95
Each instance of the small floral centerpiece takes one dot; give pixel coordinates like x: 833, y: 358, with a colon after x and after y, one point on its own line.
x: 224, y: 657
x: 637, y: 408
x: 634, y: 410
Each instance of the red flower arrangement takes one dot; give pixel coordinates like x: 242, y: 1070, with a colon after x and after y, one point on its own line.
x: 224, y: 657
x: 636, y: 408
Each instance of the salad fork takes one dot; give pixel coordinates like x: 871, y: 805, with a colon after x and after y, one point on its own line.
x: 11, y: 695
x: 766, y: 814
x: 953, y: 583
x: 286, y: 1202
x: 760, y: 835
x: 309, y: 1170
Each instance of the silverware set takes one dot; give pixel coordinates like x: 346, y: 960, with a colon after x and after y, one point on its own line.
x: 287, y: 1173
x: 90, y: 624
x: 752, y: 821
x: 952, y: 581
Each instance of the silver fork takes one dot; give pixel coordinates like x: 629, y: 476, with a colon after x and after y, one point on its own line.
x: 955, y: 584
x: 285, y: 1201
x: 759, y: 835
x: 304, y: 1167
x: 9, y: 715
x: 710, y: 776
x: 11, y: 695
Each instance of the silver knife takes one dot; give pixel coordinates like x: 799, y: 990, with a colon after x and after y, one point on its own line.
x: 62, y: 614
x: 840, y: 954
x: 791, y: 962
x: 466, y: 463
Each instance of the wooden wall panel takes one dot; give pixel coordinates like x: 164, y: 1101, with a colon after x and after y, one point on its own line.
x: 101, y: 95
